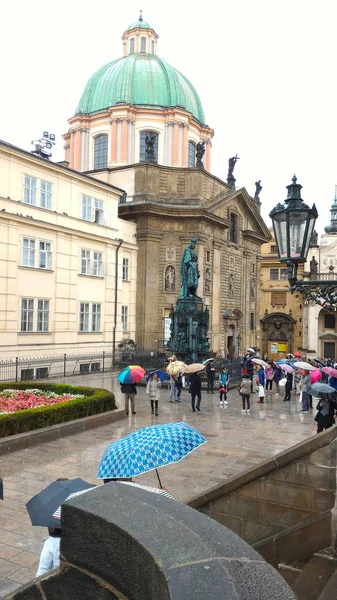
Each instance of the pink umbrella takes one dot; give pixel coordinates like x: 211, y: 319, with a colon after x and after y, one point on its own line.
x: 330, y: 371
x: 287, y: 368
x: 315, y: 375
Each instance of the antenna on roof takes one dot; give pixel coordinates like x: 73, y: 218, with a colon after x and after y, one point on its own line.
x: 140, y: 16
x: 43, y: 146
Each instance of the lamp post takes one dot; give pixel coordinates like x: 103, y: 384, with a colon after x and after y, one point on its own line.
x: 293, y: 224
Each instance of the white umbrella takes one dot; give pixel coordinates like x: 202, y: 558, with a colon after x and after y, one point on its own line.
x: 204, y: 362
x: 258, y: 361
x: 304, y: 365
x: 194, y: 368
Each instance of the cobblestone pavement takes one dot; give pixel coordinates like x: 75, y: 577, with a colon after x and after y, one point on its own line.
x: 235, y: 443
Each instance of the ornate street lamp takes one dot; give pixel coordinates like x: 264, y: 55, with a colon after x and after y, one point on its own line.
x: 293, y: 224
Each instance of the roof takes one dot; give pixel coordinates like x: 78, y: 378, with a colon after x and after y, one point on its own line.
x: 141, y: 80
x: 140, y: 24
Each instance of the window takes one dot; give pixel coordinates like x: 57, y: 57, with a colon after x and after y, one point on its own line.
x: 132, y: 45
x: 84, y: 316
x: 96, y: 317
x: 273, y: 274
x: 42, y: 373
x: 273, y: 249
x: 37, y: 192
x: 143, y: 44
x: 191, y: 154
x: 84, y: 367
x: 208, y: 256
x: 152, y: 147
x: 86, y: 208
x: 283, y: 274
x: 42, y: 315
x: 45, y: 255
x: 91, y: 263
x: 329, y: 321
x: 252, y: 321
x: 27, y: 314
x: 95, y: 367
x: 233, y: 232
x: 28, y: 252
x: 27, y: 374
x: 124, y: 318
x: 125, y: 269
x: 152, y: 46
x: 45, y: 194
x: 29, y: 190
x: 98, y: 212
x: 101, y: 152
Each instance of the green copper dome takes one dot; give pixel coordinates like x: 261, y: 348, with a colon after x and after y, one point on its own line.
x: 142, y: 80
x: 141, y: 24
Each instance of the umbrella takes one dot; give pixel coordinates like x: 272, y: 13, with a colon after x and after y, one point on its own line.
x: 131, y: 374
x: 204, y: 362
x: 258, y: 361
x: 321, y: 362
x: 194, y: 368
x: 304, y: 365
x: 250, y: 350
x: 175, y: 367
x: 162, y: 375
x: 321, y: 388
x: 330, y: 371
x: 287, y: 368
x: 148, y: 449
x: 42, y: 506
x: 315, y: 375
x: 297, y: 354
x: 291, y: 361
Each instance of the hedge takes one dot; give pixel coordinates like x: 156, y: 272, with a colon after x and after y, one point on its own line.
x: 96, y: 401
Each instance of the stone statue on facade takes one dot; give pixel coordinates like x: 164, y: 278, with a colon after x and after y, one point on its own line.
x: 313, y: 239
x: 199, y: 154
x: 231, y: 164
x: 313, y: 268
x: 258, y: 188
x: 170, y: 279
x: 149, y: 151
x: 189, y: 272
x: 207, y: 281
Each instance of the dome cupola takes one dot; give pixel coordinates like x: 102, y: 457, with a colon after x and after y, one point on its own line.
x: 332, y: 228
x: 140, y: 37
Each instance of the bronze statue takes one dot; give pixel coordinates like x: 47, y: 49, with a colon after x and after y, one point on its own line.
x: 150, y: 142
x: 189, y: 272
x: 258, y: 188
x: 231, y: 164
x: 199, y: 155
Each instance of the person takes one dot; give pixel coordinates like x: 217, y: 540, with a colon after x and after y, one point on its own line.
x: 50, y: 555
x: 129, y: 390
x: 210, y: 372
x: 305, y: 387
x: 173, y: 390
x: 245, y: 394
x: 278, y: 375
x: 249, y: 367
x: 297, y: 382
x: 223, y: 394
x: 288, y: 387
x: 260, y: 381
x: 224, y: 377
x: 195, y: 390
x: 269, y: 377
x: 325, y: 417
x: 153, y: 391
x: 179, y: 386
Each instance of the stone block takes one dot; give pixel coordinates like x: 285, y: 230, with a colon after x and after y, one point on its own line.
x: 279, y: 492
x: 236, y: 505
x: 322, y: 500
x: 235, y: 524
x: 324, y: 456
x: 287, y: 516
x: 301, y: 472
x: 254, y: 532
x: 72, y: 584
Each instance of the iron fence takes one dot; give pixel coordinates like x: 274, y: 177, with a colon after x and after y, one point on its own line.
x: 69, y: 365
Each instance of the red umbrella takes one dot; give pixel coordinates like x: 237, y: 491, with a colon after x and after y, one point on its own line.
x: 297, y: 354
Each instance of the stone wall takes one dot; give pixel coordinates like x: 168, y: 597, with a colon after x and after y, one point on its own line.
x: 121, y: 542
x: 282, y: 507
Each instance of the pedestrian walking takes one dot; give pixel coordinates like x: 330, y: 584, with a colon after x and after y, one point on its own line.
x: 260, y: 381
x: 288, y: 387
x: 210, y: 372
x: 325, y: 417
x: 153, y: 391
x: 245, y: 394
x: 223, y: 394
x: 270, y: 377
x: 305, y: 387
x: 129, y: 390
x: 179, y: 386
x: 195, y: 390
x: 278, y: 375
x: 50, y: 555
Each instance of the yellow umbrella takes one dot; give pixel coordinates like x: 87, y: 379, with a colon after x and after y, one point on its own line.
x: 176, y: 367
x: 194, y: 368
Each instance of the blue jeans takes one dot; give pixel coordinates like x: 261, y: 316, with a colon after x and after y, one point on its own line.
x: 173, y: 392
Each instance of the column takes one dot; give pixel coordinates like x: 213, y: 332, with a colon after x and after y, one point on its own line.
x: 168, y: 144
x: 208, y: 156
x: 216, y: 297
x: 124, y: 140
x: 77, y: 159
x: 119, y: 141
x: 184, y: 161
x: 85, y: 150
x: 131, y: 142
x: 113, y: 148
x: 175, y: 145
x: 72, y: 149
x: 180, y: 146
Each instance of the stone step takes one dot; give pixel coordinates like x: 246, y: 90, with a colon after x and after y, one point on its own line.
x: 330, y: 590
x: 288, y: 572
x: 311, y: 582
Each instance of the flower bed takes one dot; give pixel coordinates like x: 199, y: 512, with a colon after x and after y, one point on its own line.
x: 24, y: 407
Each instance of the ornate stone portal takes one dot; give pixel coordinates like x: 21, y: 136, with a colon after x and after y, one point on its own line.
x: 190, y: 317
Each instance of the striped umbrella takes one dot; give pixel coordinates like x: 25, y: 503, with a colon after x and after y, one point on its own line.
x: 131, y: 374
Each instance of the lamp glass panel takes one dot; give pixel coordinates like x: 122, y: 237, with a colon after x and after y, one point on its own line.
x: 280, y: 231
x: 310, y: 230
x: 297, y: 227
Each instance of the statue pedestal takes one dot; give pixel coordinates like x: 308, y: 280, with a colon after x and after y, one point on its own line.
x: 189, y: 327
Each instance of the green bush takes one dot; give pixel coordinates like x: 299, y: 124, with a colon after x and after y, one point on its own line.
x: 96, y: 401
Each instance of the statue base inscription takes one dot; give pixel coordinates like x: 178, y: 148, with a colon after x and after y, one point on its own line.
x: 189, y: 327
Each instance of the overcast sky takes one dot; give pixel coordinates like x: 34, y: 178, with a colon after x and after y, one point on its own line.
x: 265, y: 71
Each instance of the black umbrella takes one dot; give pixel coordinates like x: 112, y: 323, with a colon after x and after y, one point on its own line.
x: 1, y: 489
x: 318, y: 360
x: 42, y: 506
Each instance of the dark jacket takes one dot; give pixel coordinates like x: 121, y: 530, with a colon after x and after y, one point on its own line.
x: 325, y: 419
x: 210, y: 371
x: 128, y: 388
x: 195, y: 384
x: 289, y: 383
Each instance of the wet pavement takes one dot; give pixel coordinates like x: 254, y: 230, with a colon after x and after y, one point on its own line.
x: 236, y: 442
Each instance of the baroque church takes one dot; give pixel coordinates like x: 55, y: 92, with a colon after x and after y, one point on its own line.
x: 140, y: 126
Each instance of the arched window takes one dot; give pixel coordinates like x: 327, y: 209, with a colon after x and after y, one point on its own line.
x: 170, y: 279
x: 101, y: 152
x: 148, y: 150
x: 132, y: 45
x: 152, y: 46
x: 191, y: 154
x: 143, y: 44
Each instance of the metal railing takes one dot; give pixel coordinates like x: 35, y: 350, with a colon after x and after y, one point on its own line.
x: 70, y: 365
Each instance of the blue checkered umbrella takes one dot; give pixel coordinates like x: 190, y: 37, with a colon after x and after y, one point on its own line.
x: 148, y: 449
